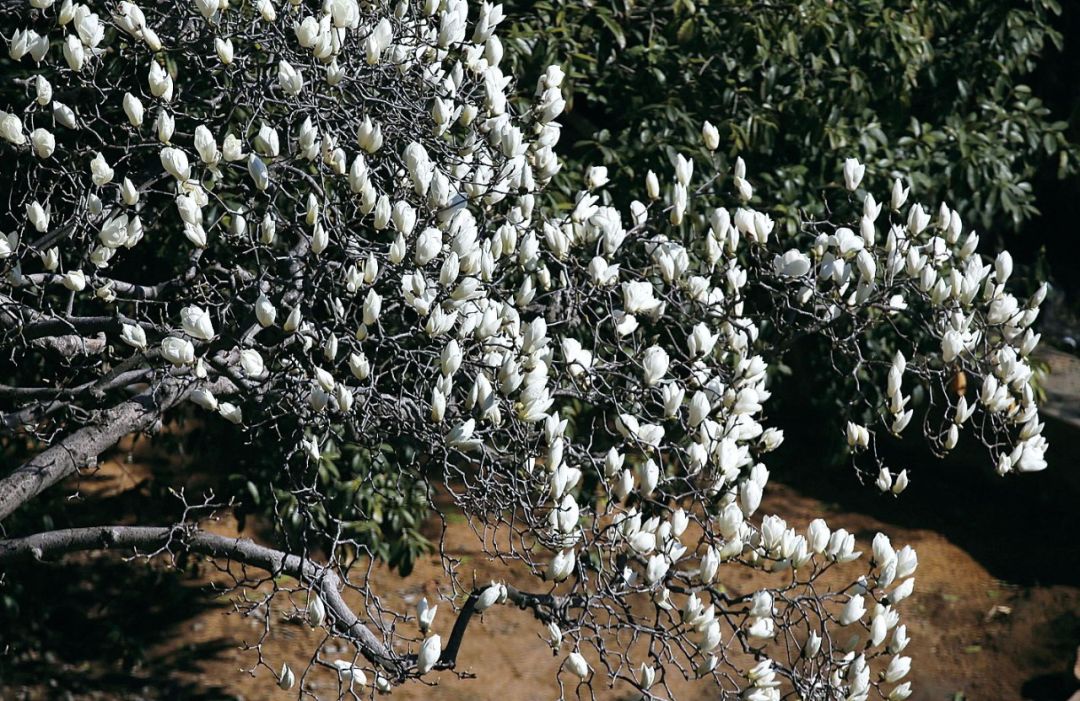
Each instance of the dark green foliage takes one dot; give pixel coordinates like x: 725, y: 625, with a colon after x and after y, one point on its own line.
x: 932, y: 92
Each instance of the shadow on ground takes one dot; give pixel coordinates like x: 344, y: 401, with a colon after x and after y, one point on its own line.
x: 1022, y: 528
x: 89, y: 625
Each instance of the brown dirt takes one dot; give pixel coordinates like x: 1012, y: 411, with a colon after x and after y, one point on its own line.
x: 974, y: 636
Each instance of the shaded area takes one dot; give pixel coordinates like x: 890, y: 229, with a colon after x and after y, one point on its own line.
x: 94, y: 625
x: 1061, y: 684
x: 91, y: 625
x: 1022, y: 528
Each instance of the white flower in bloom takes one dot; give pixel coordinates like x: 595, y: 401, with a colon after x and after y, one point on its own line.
x: 857, y: 436
x: 196, y: 322
x: 425, y: 615
x: 258, y: 171
x: 461, y: 436
x: 129, y: 193
x: 38, y: 216
x: 204, y: 398
x: 164, y: 125
x: 161, y: 83
x: 206, y: 145
x: 224, y: 49
x: 655, y: 364
x: 290, y: 79
x: 577, y: 665
x: 562, y: 565
x: 134, y: 336
x: 133, y: 107
x: 316, y: 610
x: 43, y: 141
x: 488, y: 597
x: 638, y: 297
x: 265, y: 311
x: 231, y: 148
x: 176, y: 163
x: 177, y: 351
x: 267, y: 141
x: 898, y: 669
x: 429, y: 653
x: 43, y: 90
x: 898, y: 195
x: 710, y: 136
x: 596, y: 177
x: 794, y: 263
x: 75, y: 280
x: 100, y: 171
x: 917, y: 220
x: 429, y: 287
x: 11, y: 129
x: 853, y: 610
x: 652, y: 185
x: 74, y: 53
x: 252, y: 363
x: 853, y: 173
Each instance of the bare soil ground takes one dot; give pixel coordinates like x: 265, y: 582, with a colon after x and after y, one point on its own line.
x: 975, y: 636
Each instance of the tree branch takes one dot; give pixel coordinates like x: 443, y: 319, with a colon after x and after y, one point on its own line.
x: 545, y: 607
x: 83, y: 446
x: 153, y: 539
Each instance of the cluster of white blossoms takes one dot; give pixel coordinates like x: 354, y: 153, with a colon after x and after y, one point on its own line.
x: 326, y: 218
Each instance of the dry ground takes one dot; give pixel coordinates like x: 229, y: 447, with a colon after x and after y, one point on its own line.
x: 974, y: 636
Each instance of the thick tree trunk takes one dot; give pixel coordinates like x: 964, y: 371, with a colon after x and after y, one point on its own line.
x: 82, y: 447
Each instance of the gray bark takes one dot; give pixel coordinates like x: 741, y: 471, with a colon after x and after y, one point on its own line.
x: 82, y: 447
x: 151, y: 539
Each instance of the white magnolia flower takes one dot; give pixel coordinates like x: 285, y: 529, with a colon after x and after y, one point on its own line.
x: 160, y: 82
x: 251, y: 362
x: 224, y: 50
x: 853, y: 173
x: 133, y: 335
x: 133, y: 108
x: 100, y: 171
x: 316, y: 610
x: 74, y: 280
x: 258, y: 171
x: 853, y: 610
x: 425, y: 615
x: 710, y: 136
x: 562, y: 565
x: 488, y: 597
x: 197, y: 323
x: 175, y: 162
x: 290, y: 79
x: 265, y: 311
x: 794, y: 263
x: 577, y: 665
x: 655, y: 364
x: 206, y: 146
x: 596, y: 177
x: 177, y: 351
x: 43, y: 141
x: 430, y: 650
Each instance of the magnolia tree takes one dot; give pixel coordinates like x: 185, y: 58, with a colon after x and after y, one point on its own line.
x: 325, y: 223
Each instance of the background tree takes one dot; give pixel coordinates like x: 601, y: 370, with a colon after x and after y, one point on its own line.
x: 934, y: 93
x: 324, y: 228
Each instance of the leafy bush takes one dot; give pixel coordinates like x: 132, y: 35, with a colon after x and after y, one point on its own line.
x: 930, y: 92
